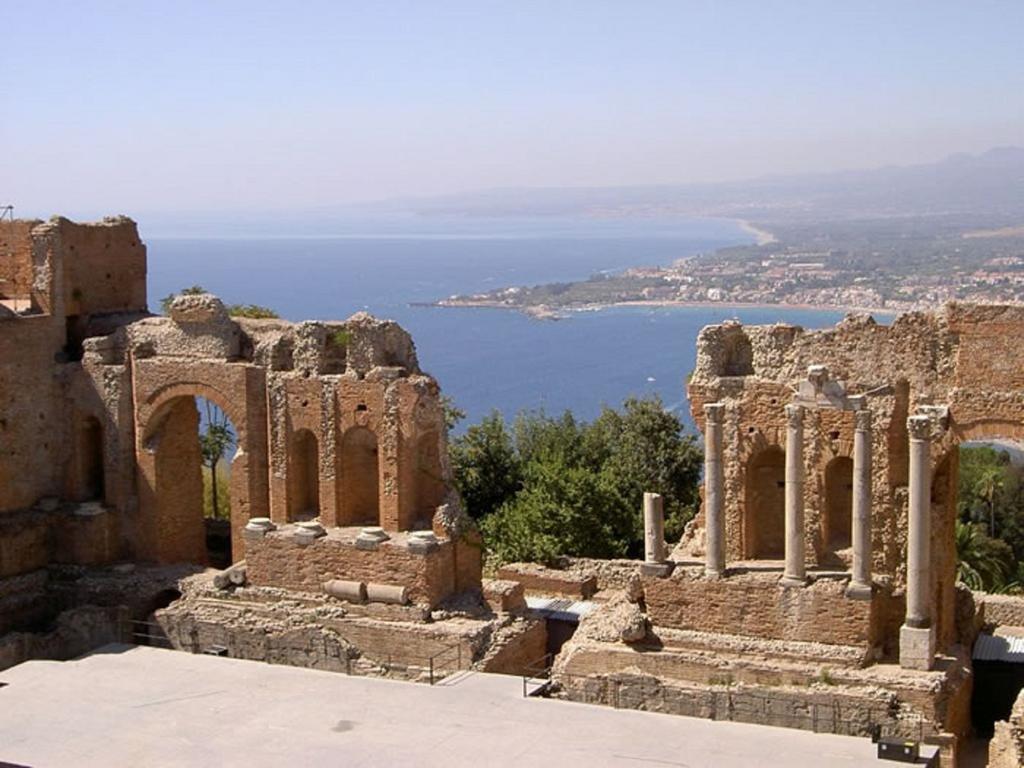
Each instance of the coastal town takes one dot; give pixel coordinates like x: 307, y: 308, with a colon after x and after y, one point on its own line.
x: 853, y: 265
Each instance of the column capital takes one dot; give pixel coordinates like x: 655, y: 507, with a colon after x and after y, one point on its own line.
x: 919, y: 427
x: 714, y: 412
x: 862, y: 420
x: 794, y: 415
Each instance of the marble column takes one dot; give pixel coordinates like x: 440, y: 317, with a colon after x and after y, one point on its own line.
x: 860, y: 578
x: 655, y: 556
x: 917, y: 636
x: 714, y: 491
x: 795, y: 573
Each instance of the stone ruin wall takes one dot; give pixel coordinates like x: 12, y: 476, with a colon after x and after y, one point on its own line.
x: 962, y: 357
x: 98, y: 456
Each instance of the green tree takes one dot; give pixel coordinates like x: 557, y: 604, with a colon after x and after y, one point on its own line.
x: 452, y: 413
x: 557, y: 486
x: 487, y: 471
x: 983, y: 563
x: 253, y: 311
x: 214, y: 442
x: 646, y: 450
x: 562, y: 510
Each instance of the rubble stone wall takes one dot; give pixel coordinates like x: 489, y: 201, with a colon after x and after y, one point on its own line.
x: 1001, y: 610
x: 1006, y: 750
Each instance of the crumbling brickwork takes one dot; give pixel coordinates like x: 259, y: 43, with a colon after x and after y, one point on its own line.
x: 100, y: 457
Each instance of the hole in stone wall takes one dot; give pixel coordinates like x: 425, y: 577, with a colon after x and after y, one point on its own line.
x: 738, y: 358
x: 90, y: 479
x: 358, y: 480
x: 764, y: 514
x: 303, y: 477
x: 838, y: 502
x: 765, y: 505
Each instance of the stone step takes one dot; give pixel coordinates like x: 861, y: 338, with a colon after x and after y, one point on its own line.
x: 751, y: 648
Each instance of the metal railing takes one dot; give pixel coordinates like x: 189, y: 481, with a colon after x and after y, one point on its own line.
x: 146, y: 633
x: 537, y: 676
x: 433, y: 661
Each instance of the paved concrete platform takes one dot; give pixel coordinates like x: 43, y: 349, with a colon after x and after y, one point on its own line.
x: 127, y: 705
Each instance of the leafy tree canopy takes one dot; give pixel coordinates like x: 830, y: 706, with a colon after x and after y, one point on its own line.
x: 549, y: 486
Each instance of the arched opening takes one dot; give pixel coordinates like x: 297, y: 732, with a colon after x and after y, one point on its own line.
x: 358, y: 478
x: 303, y: 477
x: 430, y: 486
x: 90, y: 482
x: 765, y: 505
x: 838, y: 502
x: 193, y: 442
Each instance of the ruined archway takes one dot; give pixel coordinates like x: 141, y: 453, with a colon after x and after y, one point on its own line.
x: 192, y: 446
x: 838, y: 503
x: 359, y: 478
x: 303, y: 476
x: 764, y: 517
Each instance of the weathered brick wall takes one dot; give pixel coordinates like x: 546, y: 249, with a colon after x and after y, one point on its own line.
x: 516, y: 651
x: 276, y: 560
x: 104, y: 266
x: 753, y: 604
x: 31, y: 411
x: 16, y: 260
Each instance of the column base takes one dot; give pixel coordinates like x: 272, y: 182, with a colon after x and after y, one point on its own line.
x: 793, y: 581
x: 917, y: 647
x: 856, y: 591
x: 711, y: 573
x: 660, y: 570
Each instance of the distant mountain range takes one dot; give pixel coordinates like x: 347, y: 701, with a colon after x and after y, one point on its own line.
x: 990, y: 185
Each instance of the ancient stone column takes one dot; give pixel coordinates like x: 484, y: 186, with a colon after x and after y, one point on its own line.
x: 654, y: 528
x: 655, y: 557
x: 917, y: 636
x: 860, y: 578
x: 714, y: 490
x: 795, y: 573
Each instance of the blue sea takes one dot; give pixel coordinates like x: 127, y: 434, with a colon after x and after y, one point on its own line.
x: 483, y: 358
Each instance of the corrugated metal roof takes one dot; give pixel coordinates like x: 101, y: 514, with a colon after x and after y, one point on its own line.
x: 560, y: 608
x: 999, y: 648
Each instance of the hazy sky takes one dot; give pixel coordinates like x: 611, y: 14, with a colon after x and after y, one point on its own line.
x: 169, y: 106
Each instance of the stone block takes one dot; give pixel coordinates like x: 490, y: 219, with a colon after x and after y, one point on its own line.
x: 657, y: 570
x: 917, y: 647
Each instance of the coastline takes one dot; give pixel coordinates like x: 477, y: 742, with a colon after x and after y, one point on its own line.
x: 546, y: 312
x: 762, y: 236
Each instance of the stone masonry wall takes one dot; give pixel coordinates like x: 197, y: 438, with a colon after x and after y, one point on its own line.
x: 278, y: 560
x: 753, y: 604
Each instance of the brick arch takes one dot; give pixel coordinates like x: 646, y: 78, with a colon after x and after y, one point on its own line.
x: 160, y: 399
x: 987, y: 429
x: 169, y: 473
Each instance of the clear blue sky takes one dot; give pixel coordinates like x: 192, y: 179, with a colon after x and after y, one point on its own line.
x: 167, y: 106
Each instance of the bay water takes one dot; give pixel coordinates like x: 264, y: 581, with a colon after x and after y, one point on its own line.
x: 483, y: 358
